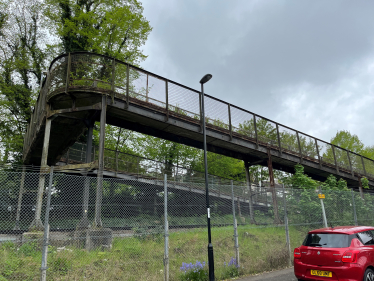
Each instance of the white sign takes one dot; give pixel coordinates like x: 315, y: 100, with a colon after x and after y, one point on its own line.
x: 208, y: 213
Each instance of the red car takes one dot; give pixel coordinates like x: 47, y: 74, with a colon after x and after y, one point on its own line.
x: 344, y: 253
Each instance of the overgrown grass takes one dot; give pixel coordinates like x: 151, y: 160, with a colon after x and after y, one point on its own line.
x: 141, y: 257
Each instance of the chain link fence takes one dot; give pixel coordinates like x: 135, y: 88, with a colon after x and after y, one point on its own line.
x: 150, y: 227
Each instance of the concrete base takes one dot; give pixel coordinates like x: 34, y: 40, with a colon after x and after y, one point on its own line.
x: 36, y: 225
x: 35, y: 236
x: 91, y: 239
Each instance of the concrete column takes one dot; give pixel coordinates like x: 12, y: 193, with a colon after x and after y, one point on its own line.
x: 272, y: 188
x: 251, y: 211
x: 360, y: 187
x: 99, y: 189
x: 84, y: 223
x: 20, y: 195
x: 37, y: 224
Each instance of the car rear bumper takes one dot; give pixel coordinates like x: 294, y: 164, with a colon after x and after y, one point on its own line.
x: 346, y: 272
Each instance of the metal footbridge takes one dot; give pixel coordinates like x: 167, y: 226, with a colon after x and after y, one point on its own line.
x: 81, y: 88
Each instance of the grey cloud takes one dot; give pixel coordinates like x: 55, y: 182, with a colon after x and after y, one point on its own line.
x: 266, y: 55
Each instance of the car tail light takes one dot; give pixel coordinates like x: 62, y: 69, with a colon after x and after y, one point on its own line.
x: 297, y: 253
x: 350, y: 256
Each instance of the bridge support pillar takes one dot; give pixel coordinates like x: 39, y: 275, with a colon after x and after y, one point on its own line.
x: 99, y: 188
x: 277, y: 220
x: 84, y: 223
x: 20, y: 195
x: 360, y: 187
x: 37, y: 224
x: 251, y: 211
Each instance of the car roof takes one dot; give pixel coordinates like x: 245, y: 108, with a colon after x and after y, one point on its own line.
x: 342, y: 229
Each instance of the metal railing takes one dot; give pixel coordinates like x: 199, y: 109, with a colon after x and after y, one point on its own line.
x: 82, y: 71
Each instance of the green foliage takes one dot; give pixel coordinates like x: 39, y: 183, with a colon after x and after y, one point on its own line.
x: 61, y: 265
x: 365, y: 183
x: 115, y: 28
x: 29, y: 248
x: 299, y: 179
x: 22, y: 58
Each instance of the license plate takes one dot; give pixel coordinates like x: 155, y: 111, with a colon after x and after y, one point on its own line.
x: 321, y: 273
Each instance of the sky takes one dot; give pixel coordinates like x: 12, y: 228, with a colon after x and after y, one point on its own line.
x: 306, y: 64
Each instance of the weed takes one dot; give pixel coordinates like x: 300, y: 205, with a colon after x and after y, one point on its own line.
x: 231, y: 270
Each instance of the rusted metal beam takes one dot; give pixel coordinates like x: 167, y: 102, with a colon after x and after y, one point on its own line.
x: 96, y: 106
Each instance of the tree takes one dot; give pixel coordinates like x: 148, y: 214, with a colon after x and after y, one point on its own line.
x: 33, y: 32
x: 22, y: 57
x: 114, y: 28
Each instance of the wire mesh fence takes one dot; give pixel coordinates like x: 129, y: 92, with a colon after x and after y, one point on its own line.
x: 146, y: 232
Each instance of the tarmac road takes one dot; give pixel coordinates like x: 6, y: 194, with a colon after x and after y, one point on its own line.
x: 279, y: 275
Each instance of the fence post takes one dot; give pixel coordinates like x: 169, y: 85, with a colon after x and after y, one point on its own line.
x: 286, y: 226
x: 44, y: 268
x: 235, y: 226
x: 166, y: 254
x: 323, y: 209
x: 354, y: 207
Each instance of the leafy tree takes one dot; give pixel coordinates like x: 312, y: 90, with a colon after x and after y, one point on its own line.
x: 22, y: 58
x: 115, y: 28
x: 299, y: 179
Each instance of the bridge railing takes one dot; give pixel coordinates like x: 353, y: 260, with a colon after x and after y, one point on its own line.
x: 99, y: 74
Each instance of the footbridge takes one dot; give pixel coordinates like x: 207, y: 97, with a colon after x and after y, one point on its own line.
x: 81, y: 88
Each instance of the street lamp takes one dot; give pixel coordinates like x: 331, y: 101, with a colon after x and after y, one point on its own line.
x: 203, y: 80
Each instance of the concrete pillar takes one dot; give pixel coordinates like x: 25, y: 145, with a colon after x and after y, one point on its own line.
x: 248, y: 177
x: 20, y: 195
x: 99, y: 189
x: 84, y: 223
x: 37, y: 224
x: 360, y: 187
x: 272, y: 188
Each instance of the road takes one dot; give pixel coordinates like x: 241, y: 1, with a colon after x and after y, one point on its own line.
x: 279, y: 275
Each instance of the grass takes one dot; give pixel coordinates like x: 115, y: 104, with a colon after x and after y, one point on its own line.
x: 141, y: 258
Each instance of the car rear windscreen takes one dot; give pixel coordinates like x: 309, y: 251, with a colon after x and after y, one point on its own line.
x: 326, y: 240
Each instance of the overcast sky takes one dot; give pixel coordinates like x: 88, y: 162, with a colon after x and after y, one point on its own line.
x: 306, y: 64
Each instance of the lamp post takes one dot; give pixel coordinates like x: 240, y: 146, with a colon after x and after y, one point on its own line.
x: 203, y: 80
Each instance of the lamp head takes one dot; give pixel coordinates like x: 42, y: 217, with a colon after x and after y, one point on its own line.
x: 206, y: 78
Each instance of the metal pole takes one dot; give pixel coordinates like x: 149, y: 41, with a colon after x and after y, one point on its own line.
x: 251, y: 211
x: 210, y: 246
x: 323, y: 209
x: 354, y: 207
x: 44, y: 268
x: 166, y: 254
x: 235, y: 226
x: 288, y: 244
